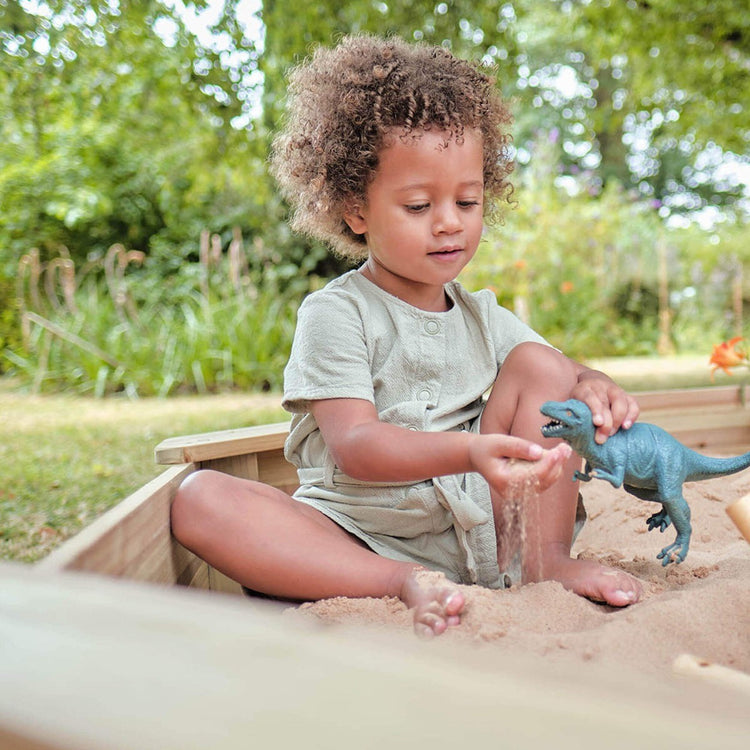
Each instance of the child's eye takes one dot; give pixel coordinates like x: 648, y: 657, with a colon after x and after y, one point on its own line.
x: 416, y: 208
x: 467, y: 204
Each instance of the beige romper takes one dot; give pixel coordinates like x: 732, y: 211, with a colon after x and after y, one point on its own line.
x: 422, y: 370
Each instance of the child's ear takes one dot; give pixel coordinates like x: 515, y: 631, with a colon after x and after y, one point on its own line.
x: 354, y: 218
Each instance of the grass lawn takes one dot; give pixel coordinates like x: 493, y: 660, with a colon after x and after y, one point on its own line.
x: 64, y: 460
x: 658, y: 373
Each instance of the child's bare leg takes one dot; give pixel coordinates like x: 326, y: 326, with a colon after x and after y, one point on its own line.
x: 531, y: 375
x: 265, y: 540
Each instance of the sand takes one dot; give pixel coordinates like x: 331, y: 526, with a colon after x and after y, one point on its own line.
x: 699, y: 607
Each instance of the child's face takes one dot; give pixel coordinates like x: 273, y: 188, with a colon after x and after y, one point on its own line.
x: 423, y: 216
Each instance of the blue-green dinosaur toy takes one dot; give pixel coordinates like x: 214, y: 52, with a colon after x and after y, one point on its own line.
x: 645, y: 460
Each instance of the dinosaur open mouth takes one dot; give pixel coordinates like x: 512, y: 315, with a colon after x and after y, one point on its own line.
x: 552, y: 427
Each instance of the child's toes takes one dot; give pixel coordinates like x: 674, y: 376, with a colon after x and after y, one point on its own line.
x: 428, y: 622
x: 436, y: 603
x: 619, y: 589
x: 453, y: 603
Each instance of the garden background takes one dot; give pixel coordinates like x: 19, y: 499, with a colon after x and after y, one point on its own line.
x: 145, y: 253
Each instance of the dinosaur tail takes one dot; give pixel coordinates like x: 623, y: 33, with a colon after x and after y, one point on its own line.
x: 706, y: 467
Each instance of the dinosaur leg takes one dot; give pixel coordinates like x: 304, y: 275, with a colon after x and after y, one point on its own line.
x: 660, y: 520
x: 679, y: 511
x: 585, y: 475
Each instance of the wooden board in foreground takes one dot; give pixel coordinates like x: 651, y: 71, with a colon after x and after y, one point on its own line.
x: 95, y: 664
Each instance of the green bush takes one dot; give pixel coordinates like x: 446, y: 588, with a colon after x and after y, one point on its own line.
x: 584, y: 271
x: 10, y: 333
x: 209, y: 327
x: 596, y: 275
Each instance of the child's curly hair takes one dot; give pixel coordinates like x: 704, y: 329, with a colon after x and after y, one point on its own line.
x: 344, y: 101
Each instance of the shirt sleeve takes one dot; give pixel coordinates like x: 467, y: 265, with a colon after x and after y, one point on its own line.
x: 329, y: 357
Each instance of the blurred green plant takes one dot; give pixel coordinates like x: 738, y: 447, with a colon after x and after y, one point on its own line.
x: 114, y: 326
x: 599, y: 274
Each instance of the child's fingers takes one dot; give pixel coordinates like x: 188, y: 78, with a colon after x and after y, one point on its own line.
x: 551, y: 465
x: 602, y: 419
x: 544, y: 471
x: 507, y: 446
x: 603, y: 432
x: 611, y: 407
x: 632, y: 411
x: 511, y: 460
x: 621, y: 412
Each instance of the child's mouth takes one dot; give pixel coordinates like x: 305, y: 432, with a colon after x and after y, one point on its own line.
x: 448, y: 253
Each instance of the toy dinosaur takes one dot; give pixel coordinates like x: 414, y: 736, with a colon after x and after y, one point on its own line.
x: 645, y: 460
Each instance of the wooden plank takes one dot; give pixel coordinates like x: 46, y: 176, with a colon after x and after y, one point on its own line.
x: 131, y: 540
x: 200, y: 578
x: 209, y: 445
x: 245, y: 466
x: 106, y: 665
x: 691, y: 398
x: 698, y: 417
x: 735, y: 439
x: 275, y: 470
x: 705, y: 428
x: 247, y: 440
x: 193, y: 571
x: 218, y: 582
x: 155, y: 559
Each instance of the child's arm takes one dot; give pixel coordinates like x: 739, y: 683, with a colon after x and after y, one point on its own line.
x: 370, y: 450
x: 611, y: 407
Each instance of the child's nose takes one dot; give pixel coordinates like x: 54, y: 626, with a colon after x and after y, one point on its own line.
x: 447, y: 220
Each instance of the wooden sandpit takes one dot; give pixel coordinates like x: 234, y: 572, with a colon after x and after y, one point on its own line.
x: 96, y: 657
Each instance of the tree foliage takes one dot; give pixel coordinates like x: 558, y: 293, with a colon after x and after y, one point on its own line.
x: 636, y: 89
x: 688, y: 57
x: 118, y: 128
x: 121, y: 125
x: 460, y: 24
x: 671, y: 80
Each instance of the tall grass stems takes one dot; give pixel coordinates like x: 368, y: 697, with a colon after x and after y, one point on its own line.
x: 204, y: 332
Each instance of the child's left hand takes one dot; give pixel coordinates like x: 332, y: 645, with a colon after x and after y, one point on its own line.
x: 611, y: 407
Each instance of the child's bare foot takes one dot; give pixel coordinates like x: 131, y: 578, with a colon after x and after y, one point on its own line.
x: 597, y: 582
x: 436, y: 601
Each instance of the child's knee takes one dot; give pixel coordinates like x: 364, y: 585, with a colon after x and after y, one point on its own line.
x: 536, y: 365
x: 192, y: 502
x: 531, y: 374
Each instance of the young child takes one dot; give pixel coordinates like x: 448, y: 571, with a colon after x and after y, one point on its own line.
x: 395, y: 154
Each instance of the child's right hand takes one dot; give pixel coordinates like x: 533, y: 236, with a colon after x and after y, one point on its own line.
x: 508, y: 462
